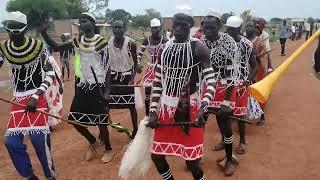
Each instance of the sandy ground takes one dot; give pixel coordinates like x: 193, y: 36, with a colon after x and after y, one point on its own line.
x: 286, y: 148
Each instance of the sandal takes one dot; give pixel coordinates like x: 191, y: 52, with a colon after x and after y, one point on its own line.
x: 241, y: 149
x: 218, y: 147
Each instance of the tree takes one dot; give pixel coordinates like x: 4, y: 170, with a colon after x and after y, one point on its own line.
x: 118, y: 14
x: 36, y: 10
x: 310, y: 20
x: 275, y: 20
x: 144, y: 20
x: 75, y: 8
x: 246, y: 16
x: 152, y: 13
x: 140, y: 21
x: 95, y: 6
x: 225, y: 17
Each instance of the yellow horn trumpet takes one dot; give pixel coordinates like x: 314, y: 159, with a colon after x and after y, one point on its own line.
x: 262, y: 89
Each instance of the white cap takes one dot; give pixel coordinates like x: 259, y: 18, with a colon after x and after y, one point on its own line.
x: 214, y: 13
x: 155, y: 22
x: 184, y: 9
x: 234, y: 21
x: 90, y: 15
x: 17, y: 16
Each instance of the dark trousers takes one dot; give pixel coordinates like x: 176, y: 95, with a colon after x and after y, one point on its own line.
x: 20, y: 158
x: 283, y: 44
x: 307, y: 35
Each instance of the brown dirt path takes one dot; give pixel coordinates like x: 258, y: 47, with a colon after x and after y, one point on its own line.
x: 285, y: 148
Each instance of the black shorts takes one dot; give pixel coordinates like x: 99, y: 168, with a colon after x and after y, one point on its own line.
x: 88, y: 107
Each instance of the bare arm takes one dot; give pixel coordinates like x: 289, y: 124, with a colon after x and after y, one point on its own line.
x: 269, y: 61
x: 253, y: 66
x: 49, y: 77
x: 143, y: 48
x: 208, y: 73
x: 1, y: 59
x: 317, y: 58
x: 54, y: 45
x: 108, y: 78
x: 155, y: 95
x: 156, y: 86
x: 135, y: 61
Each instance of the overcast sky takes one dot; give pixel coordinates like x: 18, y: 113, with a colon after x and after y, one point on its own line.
x: 264, y: 8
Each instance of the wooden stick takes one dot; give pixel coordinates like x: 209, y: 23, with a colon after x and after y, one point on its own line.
x: 128, y: 86
x: 43, y: 112
x: 192, y: 124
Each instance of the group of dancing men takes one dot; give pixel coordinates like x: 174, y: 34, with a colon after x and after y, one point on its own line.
x: 186, y: 79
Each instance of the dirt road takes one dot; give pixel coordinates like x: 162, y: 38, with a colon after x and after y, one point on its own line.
x: 286, y: 148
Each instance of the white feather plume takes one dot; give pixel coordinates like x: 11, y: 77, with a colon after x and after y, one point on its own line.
x: 137, y: 159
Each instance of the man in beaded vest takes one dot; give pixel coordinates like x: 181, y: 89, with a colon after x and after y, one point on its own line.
x: 153, y: 44
x: 246, y: 73
x: 183, y: 62
x: 123, y: 60
x: 32, y: 74
x: 223, y: 50
x: 92, y: 84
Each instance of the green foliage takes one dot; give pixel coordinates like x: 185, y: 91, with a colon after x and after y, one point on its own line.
x: 75, y: 8
x: 140, y: 21
x: 246, y: 16
x: 152, y: 13
x: 118, y: 14
x: 38, y: 9
x: 310, y: 20
x: 225, y: 17
x: 143, y: 21
x: 94, y: 6
x: 276, y: 20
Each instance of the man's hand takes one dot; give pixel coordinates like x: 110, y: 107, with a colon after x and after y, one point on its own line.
x: 270, y: 70
x: 247, y: 83
x: 43, y: 26
x: 139, y: 68
x: 31, y: 105
x: 153, y: 120
x: 200, y: 122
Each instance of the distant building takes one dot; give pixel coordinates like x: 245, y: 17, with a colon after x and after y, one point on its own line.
x: 301, y: 21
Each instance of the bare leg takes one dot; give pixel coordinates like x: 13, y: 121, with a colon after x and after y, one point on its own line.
x: 147, y: 100
x: 195, y: 169
x: 134, y: 118
x: 162, y: 166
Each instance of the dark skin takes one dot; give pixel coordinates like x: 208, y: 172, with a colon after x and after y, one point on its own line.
x: 19, y: 40
x: 181, y: 29
x: 260, y: 30
x: 118, y: 29
x: 155, y: 37
x: 251, y: 31
x: 317, y: 58
x: 86, y: 29
x: 236, y: 35
x: 211, y: 27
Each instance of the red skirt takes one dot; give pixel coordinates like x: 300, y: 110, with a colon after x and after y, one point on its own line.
x: 149, y: 76
x: 238, y: 101
x: 32, y: 122
x: 172, y: 140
